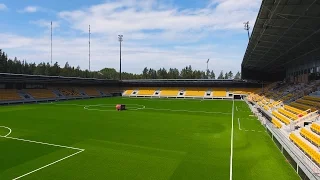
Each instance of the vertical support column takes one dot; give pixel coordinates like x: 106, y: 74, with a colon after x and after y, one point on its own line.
x: 297, y: 169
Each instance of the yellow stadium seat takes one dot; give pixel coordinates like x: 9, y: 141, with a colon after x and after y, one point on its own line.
x: 281, y: 117
x: 217, y: 92
x: 128, y: 92
x: 288, y: 114
x: 198, y: 93
x: 169, y: 92
x: 148, y: 92
x: 40, y: 93
x: 9, y: 94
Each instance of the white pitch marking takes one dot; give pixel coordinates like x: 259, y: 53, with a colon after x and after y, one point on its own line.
x: 49, y: 164
x: 8, y: 132
x: 43, y: 143
x: 239, y: 124
x: 237, y: 108
x: 231, y: 149
x: 182, y: 110
x: 38, y: 142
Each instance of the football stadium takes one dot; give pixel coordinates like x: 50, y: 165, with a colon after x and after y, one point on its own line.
x: 263, y: 126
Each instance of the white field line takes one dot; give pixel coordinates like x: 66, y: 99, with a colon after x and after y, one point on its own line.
x: 237, y: 108
x: 231, y: 149
x: 246, y: 129
x: 48, y: 165
x: 87, y: 107
x: 239, y: 124
x: 183, y: 110
x: 49, y: 144
x: 8, y: 132
x: 43, y: 143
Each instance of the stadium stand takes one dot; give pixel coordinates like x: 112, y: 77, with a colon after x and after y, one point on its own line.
x: 312, y: 137
x: 146, y: 91
x: 198, y: 92
x: 219, y: 92
x: 40, y: 93
x: 288, y: 114
x: 311, y: 152
x: 315, y: 127
x: 312, y: 98
x: 281, y: 117
x: 9, y: 95
x: 92, y: 92
x: 169, y: 92
x: 128, y: 92
x: 276, y: 122
x: 295, y: 110
x: 69, y: 91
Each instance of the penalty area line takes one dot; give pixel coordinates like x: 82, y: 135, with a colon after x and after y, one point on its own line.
x: 43, y: 143
x: 48, y: 165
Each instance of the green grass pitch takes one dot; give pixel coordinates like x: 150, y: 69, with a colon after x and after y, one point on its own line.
x: 154, y: 139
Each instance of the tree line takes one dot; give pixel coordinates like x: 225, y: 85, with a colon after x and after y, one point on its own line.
x: 16, y: 66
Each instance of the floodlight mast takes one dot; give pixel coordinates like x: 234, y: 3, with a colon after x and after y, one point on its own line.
x: 247, y: 28
x: 51, y: 42
x: 89, y: 49
x: 120, y: 38
x: 208, y: 68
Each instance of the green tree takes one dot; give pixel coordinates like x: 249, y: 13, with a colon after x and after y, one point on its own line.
x: 237, y: 76
x: 221, y: 75
x: 212, y: 75
x: 226, y: 76
x: 230, y: 75
x: 145, y: 73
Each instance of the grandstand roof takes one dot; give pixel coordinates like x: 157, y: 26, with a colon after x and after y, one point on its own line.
x: 24, y: 78
x: 285, y: 30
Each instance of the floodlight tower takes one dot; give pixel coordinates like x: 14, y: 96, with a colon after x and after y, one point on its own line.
x: 51, y: 42
x: 247, y: 28
x: 120, y: 38
x: 89, y: 48
x: 208, y: 68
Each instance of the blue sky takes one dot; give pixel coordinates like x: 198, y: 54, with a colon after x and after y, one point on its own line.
x: 157, y: 33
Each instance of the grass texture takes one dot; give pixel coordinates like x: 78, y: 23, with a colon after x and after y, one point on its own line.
x: 155, y: 139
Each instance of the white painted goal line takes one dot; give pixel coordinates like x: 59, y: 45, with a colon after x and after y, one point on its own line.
x: 43, y: 143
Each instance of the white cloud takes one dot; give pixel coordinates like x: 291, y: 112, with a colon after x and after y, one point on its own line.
x: 155, y: 35
x: 132, y: 15
x: 30, y: 9
x: 3, y: 7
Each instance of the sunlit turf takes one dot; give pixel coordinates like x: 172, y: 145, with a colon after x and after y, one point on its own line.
x: 153, y: 139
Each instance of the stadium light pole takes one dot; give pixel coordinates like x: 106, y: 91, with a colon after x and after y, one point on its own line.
x: 51, y: 42
x: 247, y: 28
x: 89, y: 48
x: 208, y: 68
x: 120, y: 37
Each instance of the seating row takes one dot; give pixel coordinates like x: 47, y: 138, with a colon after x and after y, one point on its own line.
x: 312, y: 153
x: 281, y: 117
